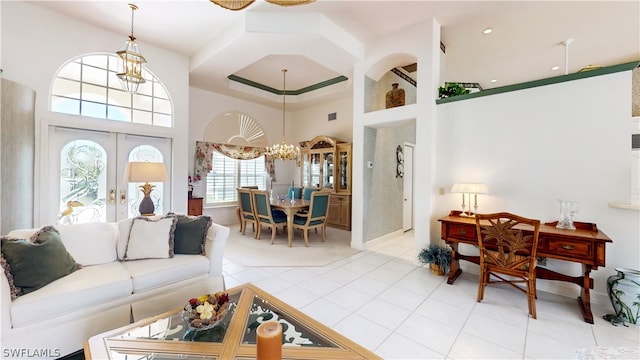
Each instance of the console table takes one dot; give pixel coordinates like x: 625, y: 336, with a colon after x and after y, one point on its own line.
x: 585, y: 245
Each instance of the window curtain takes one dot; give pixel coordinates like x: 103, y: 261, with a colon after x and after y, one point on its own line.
x: 204, y: 156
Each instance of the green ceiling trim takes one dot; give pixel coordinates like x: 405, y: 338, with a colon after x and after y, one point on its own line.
x: 548, y: 81
x: 288, y: 92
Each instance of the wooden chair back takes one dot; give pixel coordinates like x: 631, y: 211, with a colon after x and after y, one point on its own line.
x: 508, y: 245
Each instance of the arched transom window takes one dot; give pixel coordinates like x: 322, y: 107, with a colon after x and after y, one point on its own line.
x: 88, y: 86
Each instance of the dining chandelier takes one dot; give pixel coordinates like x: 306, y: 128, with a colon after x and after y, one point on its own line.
x: 241, y: 4
x: 130, y: 61
x: 283, y: 151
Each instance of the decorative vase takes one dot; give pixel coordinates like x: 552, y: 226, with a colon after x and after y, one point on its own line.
x: 624, y: 293
x: 395, y: 96
x: 436, y: 269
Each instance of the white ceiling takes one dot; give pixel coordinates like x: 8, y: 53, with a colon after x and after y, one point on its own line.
x: 322, y: 40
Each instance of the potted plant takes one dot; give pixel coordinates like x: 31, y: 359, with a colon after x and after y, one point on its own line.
x: 438, y: 257
x: 451, y: 89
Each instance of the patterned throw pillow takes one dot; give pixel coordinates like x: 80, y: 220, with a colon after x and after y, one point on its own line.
x: 34, y: 263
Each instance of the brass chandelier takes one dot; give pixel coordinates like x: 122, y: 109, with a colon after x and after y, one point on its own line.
x: 283, y: 151
x: 241, y: 4
x: 130, y: 62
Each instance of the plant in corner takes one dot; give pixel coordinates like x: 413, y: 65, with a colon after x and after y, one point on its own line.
x: 451, y: 89
x: 437, y: 256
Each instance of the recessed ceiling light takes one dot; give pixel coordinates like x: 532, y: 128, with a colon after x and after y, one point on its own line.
x: 487, y: 31
x: 555, y: 68
x: 493, y: 81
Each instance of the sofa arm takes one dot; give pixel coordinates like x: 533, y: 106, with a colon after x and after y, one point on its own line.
x: 214, y: 247
x: 5, y: 304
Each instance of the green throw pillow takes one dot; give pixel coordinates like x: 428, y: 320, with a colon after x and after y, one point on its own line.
x: 191, y: 234
x: 34, y: 263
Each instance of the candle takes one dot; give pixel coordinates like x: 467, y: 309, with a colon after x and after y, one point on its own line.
x: 269, y: 341
x: 462, y: 199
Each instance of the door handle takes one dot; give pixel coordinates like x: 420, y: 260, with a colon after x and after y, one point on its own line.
x: 123, y: 197
x: 112, y: 196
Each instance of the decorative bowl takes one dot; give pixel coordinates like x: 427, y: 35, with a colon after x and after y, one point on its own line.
x: 206, y: 311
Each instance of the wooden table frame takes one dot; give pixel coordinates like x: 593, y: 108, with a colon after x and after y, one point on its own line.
x: 232, y: 347
x: 585, y: 245
x: 290, y: 208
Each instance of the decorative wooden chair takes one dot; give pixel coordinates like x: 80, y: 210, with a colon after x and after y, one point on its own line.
x: 297, y: 192
x: 306, y: 194
x: 316, y: 217
x: 508, y: 253
x: 246, y: 209
x: 265, y: 215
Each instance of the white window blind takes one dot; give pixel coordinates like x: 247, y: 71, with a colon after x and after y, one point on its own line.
x: 228, y: 174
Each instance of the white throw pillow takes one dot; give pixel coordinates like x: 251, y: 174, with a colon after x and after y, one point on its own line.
x: 151, y: 239
x: 89, y: 243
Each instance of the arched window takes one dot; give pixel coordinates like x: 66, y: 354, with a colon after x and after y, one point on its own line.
x: 228, y: 174
x: 151, y: 154
x: 82, y: 179
x: 88, y: 86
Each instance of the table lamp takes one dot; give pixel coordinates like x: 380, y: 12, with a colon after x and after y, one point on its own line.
x: 468, y: 189
x: 146, y: 172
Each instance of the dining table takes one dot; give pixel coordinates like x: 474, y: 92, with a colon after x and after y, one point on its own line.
x: 290, y: 208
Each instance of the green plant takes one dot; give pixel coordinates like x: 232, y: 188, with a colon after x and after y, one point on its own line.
x: 436, y: 254
x: 451, y: 89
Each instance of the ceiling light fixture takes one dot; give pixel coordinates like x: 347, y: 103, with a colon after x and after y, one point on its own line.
x: 555, y: 68
x: 241, y: 4
x: 487, y: 31
x: 493, y: 81
x: 283, y: 151
x: 130, y: 62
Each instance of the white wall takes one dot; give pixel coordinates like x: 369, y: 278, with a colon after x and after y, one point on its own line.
x: 36, y: 42
x: 532, y: 147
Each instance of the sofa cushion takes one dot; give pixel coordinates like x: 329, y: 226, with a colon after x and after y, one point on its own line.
x: 151, y: 239
x: 83, y: 289
x: 154, y: 273
x: 124, y: 228
x: 89, y: 243
x: 37, y: 262
x: 190, y: 234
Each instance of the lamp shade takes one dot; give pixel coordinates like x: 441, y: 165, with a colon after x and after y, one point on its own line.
x: 138, y: 171
x: 470, y: 188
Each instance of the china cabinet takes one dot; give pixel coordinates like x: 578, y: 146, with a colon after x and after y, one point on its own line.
x: 326, y: 164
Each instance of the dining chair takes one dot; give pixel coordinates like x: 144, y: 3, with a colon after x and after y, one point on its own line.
x: 316, y: 217
x: 306, y: 194
x: 264, y: 214
x: 297, y: 192
x: 247, y: 210
x: 508, y: 245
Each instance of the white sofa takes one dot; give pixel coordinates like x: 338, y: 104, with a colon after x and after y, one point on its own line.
x: 105, y: 293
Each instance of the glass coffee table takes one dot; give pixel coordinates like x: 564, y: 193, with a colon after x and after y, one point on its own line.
x: 168, y: 336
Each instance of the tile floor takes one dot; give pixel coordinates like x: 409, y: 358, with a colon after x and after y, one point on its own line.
x: 381, y: 300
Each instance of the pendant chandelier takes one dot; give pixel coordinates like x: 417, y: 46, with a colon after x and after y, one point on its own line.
x: 130, y: 62
x: 241, y: 4
x: 283, y: 151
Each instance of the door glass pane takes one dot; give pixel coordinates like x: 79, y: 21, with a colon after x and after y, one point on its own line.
x: 150, y: 154
x: 82, y: 182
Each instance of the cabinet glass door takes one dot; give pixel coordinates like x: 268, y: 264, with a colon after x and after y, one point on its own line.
x: 305, y: 181
x: 343, y: 184
x: 327, y: 170
x: 315, y: 170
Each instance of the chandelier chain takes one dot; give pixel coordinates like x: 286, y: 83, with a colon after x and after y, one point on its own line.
x: 133, y: 9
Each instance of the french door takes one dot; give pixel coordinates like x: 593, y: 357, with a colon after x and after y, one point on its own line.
x: 85, y: 175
